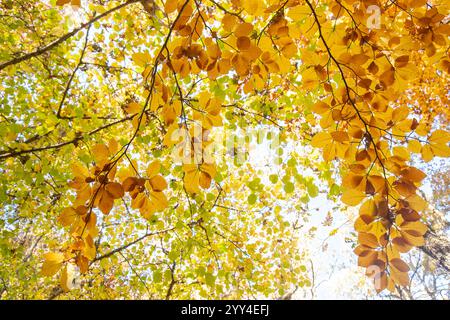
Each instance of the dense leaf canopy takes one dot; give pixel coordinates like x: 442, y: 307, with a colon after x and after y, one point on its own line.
x: 134, y: 132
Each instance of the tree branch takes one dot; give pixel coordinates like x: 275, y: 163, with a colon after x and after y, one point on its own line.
x: 438, y: 248
x: 69, y: 83
x: 55, y: 43
x: 62, y: 144
x: 119, y: 249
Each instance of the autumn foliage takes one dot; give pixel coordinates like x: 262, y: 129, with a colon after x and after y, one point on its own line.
x: 127, y: 107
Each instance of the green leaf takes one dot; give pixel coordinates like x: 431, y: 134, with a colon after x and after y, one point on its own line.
x: 273, y: 178
x: 312, y: 189
x: 252, y: 199
x: 289, y: 187
x: 157, y: 276
x: 210, y: 280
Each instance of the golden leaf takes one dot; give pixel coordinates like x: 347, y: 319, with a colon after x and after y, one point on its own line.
x: 321, y: 139
x: 353, y: 197
x: 52, y: 263
x: 368, y: 240
x: 115, y: 189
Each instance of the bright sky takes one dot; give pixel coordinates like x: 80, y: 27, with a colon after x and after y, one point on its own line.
x: 336, y: 274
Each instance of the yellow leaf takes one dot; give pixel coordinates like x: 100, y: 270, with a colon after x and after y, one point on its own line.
x: 402, y: 153
x: 359, y: 59
x: 52, y: 263
x: 439, y: 137
x: 209, y: 169
x: 159, y: 199
x: 367, y: 258
x: 170, y: 6
x: 191, y: 178
x: 414, y: 146
x: 115, y: 189
x: 378, y: 229
x: 392, y: 252
x: 329, y: 152
x: 340, y: 136
x: 400, y: 277
x: 413, y: 174
x: 353, y: 197
x: 89, y: 247
x: 106, y: 202
x: 401, y: 245
x: 368, y: 211
x: 67, y: 216
x: 416, y: 202
x: 399, y: 264
x: 401, y: 61
x: 100, y: 153
x: 417, y: 3
x: 62, y: 2
x: 158, y: 183
x: 441, y: 150
x: 352, y: 181
x: 79, y: 170
x: 412, y: 240
x: 320, y: 107
x: 297, y: 13
x: 415, y: 228
x: 153, y: 168
x: 427, y: 153
x: 243, y: 29
x: 141, y: 59
x: 243, y: 43
x: 139, y: 201
x: 360, y: 225
x: 379, y: 183
x: 368, y: 240
x: 251, y: 6
x: 321, y: 139
x: 113, y: 146
x: 133, y: 108
x: 204, y: 180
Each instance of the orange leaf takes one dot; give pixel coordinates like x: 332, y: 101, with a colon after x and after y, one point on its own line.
x: 115, y: 190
